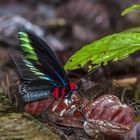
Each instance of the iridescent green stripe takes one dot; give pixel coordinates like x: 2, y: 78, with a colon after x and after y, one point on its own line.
x: 24, y: 40
x: 33, y: 69
x: 27, y: 47
x: 23, y: 34
x: 32, y: 57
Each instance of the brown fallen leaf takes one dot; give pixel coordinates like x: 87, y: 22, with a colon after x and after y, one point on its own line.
x: 128, y: 83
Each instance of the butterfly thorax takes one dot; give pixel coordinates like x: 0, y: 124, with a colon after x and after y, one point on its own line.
x: 62, y: 92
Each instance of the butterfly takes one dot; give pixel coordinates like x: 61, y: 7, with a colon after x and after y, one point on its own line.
x: 41, y: 70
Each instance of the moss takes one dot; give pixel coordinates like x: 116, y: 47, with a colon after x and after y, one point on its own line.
x: 21, y: 126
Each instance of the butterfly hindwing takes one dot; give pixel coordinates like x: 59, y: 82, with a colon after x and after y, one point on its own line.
x: 36, y: 90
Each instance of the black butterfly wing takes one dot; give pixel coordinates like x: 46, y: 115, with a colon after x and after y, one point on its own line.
x: 36, y: 50
x: 28, y: 70
x: 39, y: 60
x: 36, y: 90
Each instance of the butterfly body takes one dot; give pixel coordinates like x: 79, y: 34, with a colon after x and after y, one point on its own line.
x: 46, y: 88
x: 62, y: 92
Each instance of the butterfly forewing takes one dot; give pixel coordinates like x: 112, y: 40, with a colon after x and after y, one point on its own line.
x: 37, y: 52
x: 29, y: 70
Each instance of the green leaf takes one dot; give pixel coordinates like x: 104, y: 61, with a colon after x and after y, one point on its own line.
x: 130, y: 9
x: 113, y: 47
